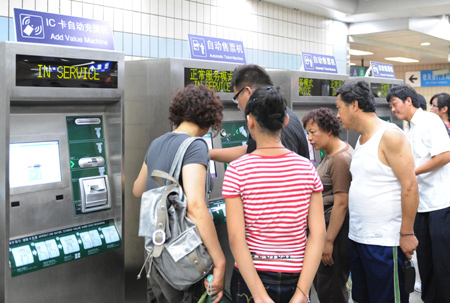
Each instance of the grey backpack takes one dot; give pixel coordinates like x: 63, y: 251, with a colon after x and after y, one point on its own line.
x: 172, y: 240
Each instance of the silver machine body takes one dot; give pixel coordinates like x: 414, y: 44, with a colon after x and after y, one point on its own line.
x: 61, y: 221
x: 149, y: 89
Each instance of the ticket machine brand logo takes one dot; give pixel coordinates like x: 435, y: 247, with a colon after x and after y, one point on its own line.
x: 32, y: 26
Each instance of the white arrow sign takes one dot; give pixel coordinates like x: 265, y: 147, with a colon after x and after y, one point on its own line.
x: 413, y: 78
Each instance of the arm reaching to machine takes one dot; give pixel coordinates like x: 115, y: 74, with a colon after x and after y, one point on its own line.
x: 226, y: 155
x: 397, y: 153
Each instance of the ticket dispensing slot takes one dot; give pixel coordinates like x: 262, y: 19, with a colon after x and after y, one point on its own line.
x: 94, y: 193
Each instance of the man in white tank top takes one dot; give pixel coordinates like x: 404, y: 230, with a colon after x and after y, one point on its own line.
x: 383, y: 199
x: 431, y: 150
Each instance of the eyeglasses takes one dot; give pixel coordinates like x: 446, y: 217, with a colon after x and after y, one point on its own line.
x: 235, y: 100
x: 434, y: 105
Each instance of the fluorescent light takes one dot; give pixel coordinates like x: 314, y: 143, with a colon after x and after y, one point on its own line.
x: 351, y: 63
x: 425, y: 43
x: 356, y: 52
x: 402, y: 59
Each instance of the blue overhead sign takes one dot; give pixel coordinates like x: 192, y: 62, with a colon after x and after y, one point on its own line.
x: 46, y: 28
x: 215, y: 49
x: 382, y: 70
x: 319, y: 63
x: 428, y: 78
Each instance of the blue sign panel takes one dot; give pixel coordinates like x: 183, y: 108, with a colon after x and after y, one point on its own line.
x: 382, y: 70
x: 428, y: 79
x: 319, y: 63
x: 46, y: 28
x: 215, y: 49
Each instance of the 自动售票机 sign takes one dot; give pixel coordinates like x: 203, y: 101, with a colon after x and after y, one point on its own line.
x: 215, y: 49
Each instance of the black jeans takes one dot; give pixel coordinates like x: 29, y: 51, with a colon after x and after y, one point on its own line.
x: 279, y: 285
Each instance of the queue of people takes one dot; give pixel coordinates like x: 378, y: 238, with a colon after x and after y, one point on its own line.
x: 363, y: 212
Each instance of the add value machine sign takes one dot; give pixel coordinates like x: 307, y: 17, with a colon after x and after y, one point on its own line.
x: 215, y: 49
x: 46, y: 28
x: 428, y: 78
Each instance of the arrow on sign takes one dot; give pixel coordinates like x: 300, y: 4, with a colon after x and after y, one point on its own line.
x: 412, y: 78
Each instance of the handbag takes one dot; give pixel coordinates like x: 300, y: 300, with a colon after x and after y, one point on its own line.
x: 172, y: 240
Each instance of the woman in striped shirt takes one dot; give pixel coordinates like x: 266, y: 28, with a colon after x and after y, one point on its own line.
x: 272, y: 196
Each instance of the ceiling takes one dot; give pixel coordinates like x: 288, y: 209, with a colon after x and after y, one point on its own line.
x: 388, y: 28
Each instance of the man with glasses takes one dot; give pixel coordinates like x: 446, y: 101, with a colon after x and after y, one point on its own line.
x: 431, y: 150
x: 246, y: 79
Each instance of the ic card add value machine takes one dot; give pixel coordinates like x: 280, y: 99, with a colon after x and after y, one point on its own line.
x: 61, y: 140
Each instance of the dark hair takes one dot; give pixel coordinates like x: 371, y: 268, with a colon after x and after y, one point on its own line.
x: 268, y: 107
x: 250, y: 75
x: 197, y: 104
x: 325, y: 119
x: 403, y: 92
x: 357, y: 91
x: 422, y: 102
x: 443, y: 99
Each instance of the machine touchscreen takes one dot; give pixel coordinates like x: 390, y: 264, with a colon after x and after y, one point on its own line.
x: 34, y: 163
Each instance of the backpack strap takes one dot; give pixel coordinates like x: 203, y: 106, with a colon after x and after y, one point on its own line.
x: 159, y: 236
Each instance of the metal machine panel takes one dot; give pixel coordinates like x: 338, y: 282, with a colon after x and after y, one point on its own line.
x: 150, y: 86
x: 38, y: 212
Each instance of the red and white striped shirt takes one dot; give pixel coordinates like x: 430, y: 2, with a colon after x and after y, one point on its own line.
x: 275, y: 192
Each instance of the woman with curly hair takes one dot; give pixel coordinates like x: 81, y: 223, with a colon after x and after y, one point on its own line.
x: 323, y: 127
x: 193, y: 111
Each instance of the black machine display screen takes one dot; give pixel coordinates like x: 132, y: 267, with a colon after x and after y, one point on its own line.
x: 65, y: 72
x: 220, y: 81
x: 317, y: 87
x: 380, y: 90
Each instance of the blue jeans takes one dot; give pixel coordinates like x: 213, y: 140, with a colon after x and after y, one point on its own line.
x: 433, y: 232
x: 279, y: 285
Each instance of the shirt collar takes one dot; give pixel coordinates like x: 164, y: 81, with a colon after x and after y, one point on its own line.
x: 416, y: 116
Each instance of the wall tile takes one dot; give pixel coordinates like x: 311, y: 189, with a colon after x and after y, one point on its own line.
x: 77, y: 9
x: 128, y: 44
x: 136, y: 5
x: 118, y: 41
x: 146, y: 6
x: 136, y: 22
x: 127, y: 21
x: 154, y: 47
x: 154, y: 25
x: 162, y: 8
x: 137, y: 45
x: 162, y: 47
x: 145, y: 24
x: 178, y: 6
x: 170, y: 6
x: 154, y: 6
x: 118, y: 20
x: 145, y: 46
x: 30, y: 4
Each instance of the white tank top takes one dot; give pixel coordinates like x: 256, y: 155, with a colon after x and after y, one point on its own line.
x: 375, y: 196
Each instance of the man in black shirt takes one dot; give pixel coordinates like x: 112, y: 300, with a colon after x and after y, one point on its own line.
x: 246, y: 79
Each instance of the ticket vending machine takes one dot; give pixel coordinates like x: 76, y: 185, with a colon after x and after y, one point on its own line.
x: 149, y: 89
x: 380, y: 88
x: 61, y: 144
x: 305, y: 91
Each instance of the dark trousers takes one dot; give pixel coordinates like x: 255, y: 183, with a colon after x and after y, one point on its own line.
x: 331, y: 281
x: 433, y: 232
x: 280, y: 286
x: 376, y: 273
